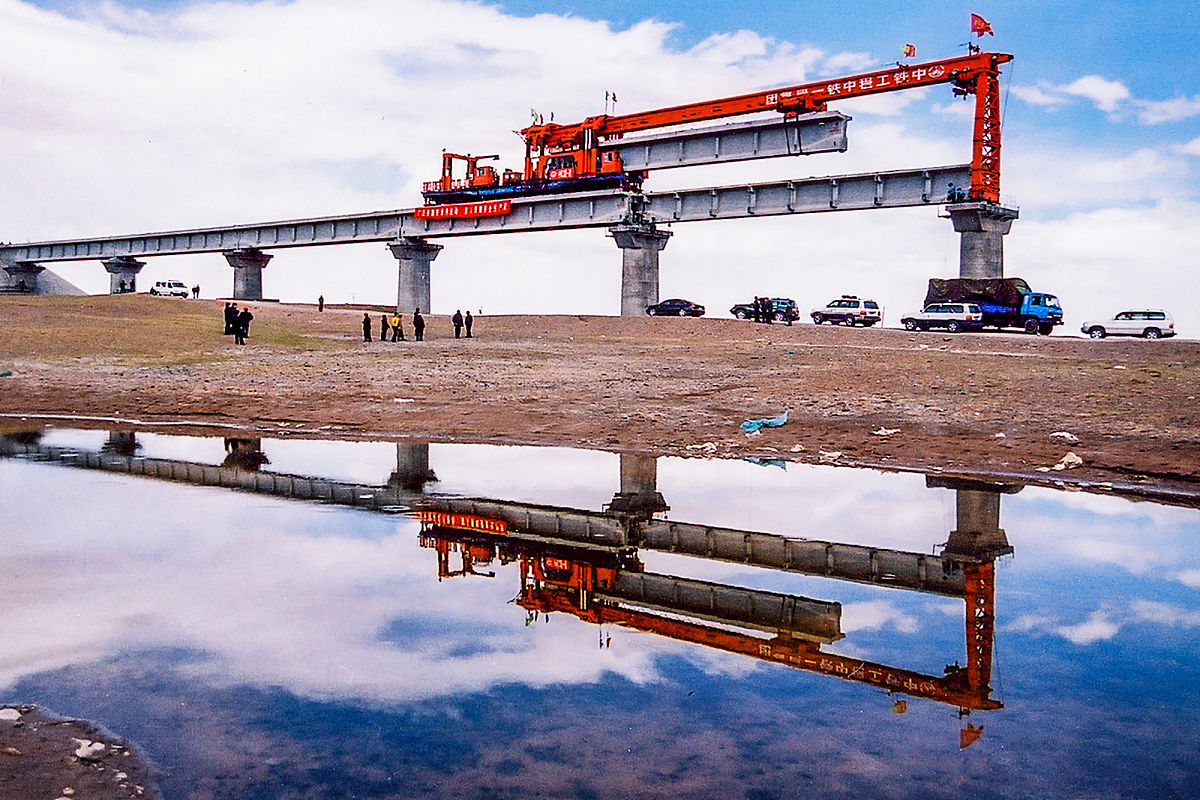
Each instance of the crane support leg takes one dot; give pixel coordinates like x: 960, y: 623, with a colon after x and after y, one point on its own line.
x: 640, y: 246
x: 981, y: 623
x: 412, y: 285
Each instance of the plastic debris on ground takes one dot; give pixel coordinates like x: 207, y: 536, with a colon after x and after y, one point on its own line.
x: 1067, y: 437
x: 885, y: 432
x: 752, y: 425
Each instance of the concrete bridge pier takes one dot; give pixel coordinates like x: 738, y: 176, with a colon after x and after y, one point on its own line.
x: 640, y: 246
x: 983, y: 227
x: 23, y: 276
x: 412, y: 468
x: 412, y: 285
x: 122, y: 273
x: 639, y: 486
x: 247, y: 263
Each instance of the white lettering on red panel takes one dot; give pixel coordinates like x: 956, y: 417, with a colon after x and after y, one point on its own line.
x: 490, y: 208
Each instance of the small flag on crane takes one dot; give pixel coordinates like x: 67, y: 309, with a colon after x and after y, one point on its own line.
x: 910, y: 50
x: 980, y: 26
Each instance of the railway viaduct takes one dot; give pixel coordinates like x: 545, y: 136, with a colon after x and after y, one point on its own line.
x: 637, y: 222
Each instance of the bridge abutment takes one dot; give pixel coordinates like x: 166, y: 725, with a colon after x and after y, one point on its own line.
x: 413, y: 258
x: 982, y: 227
x: 122, y: 273
x: 247, y: 266
x: 639, y: 486
x: 640, y: 246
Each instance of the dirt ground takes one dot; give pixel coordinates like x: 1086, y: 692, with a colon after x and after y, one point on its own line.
x: 975, y: 404
x: 45, y: 756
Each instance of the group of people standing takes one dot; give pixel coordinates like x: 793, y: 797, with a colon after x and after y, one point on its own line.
x: 237, y: 323
x: 395, y: 325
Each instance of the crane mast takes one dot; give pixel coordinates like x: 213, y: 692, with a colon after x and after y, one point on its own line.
x: 569, y: 157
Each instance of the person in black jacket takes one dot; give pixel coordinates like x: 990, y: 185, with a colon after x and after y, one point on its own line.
x: 366, y: 327
x: 418, y: 326
x: 241, y: 326
x: 457, y: 319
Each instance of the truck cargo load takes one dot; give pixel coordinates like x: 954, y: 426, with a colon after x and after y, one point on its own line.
x: 1001, y: 291
x: 1005, y: 302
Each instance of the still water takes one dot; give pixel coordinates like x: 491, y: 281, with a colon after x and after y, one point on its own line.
x: 455, y: 621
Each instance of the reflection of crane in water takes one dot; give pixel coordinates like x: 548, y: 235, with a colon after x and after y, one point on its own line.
x: 608, y: 585
x: 584, y: 562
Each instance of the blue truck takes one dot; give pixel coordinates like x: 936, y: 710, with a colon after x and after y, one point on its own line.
x: 1005, y: 302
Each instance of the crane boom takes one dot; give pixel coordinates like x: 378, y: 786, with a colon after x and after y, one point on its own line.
x: 568, y: 157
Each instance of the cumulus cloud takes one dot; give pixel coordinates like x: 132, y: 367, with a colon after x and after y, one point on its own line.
x: 1105, y: 94
x: 1112, y: 97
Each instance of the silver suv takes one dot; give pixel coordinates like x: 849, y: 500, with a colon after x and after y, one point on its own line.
x: 954, y: 317
x: 848, y: 310
x: 1148, y: 323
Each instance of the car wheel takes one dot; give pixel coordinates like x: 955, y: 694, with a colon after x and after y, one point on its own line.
x: 740, y: 314
x: 817, y: 319
x: 1152, y: 333
x: 651, y: 312
x: 1031, y: 326
x: 953, y: 327
x: 848, y: 322
x: 1096, y: 333
x: 780, y: 316
x: 910, y: 324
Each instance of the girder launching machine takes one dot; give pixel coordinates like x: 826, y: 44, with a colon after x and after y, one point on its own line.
x: 569, y: 158
x: 604, y: 586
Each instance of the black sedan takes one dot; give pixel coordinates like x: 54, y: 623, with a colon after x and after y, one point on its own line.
x: 675, y: 307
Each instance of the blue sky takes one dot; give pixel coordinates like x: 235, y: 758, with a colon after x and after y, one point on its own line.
x: 133, y: 117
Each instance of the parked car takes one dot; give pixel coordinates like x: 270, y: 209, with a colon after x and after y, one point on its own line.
x: 675, y: 307
x: 848, y: 310
x: 169, y: 288
x: 783, y: 309
x: 1147, y: 323
x: 954, y: 317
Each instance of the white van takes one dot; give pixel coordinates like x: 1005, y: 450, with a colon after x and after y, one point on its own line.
x: 169, y: 288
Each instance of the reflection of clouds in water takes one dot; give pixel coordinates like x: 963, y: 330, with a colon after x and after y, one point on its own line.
x: 1105, y: 623
x: 271, y: 592
x: 1188, y: 577
x: 875, y: 615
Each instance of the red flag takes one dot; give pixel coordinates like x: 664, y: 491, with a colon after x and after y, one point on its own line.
x: 910, y: 50
x: 980, y: 26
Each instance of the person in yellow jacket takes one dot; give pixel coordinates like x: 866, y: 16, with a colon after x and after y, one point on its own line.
x: 397, y: 328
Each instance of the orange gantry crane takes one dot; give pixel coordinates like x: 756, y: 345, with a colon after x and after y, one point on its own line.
x: 561, y: 158
x: 575, y: 583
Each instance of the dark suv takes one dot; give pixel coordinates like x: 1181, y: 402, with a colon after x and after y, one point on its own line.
x: 783, y: 309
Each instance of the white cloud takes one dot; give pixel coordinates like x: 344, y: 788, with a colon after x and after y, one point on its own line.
x: 1153, y: 112
x: 1191, y: 148
x: 1042, y: 95
x: 1107, y: 95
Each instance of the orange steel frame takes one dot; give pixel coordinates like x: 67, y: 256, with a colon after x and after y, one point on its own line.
x: 569, y: 584
x: 976, y: 73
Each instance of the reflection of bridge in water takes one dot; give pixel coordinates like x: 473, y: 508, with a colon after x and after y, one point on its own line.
x: 585, y: 563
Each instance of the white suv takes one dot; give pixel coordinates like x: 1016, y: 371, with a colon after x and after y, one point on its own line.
x: 1148, y: 323
x: 848, y: 310
x: 954, y: 317
x: 169, y: 288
